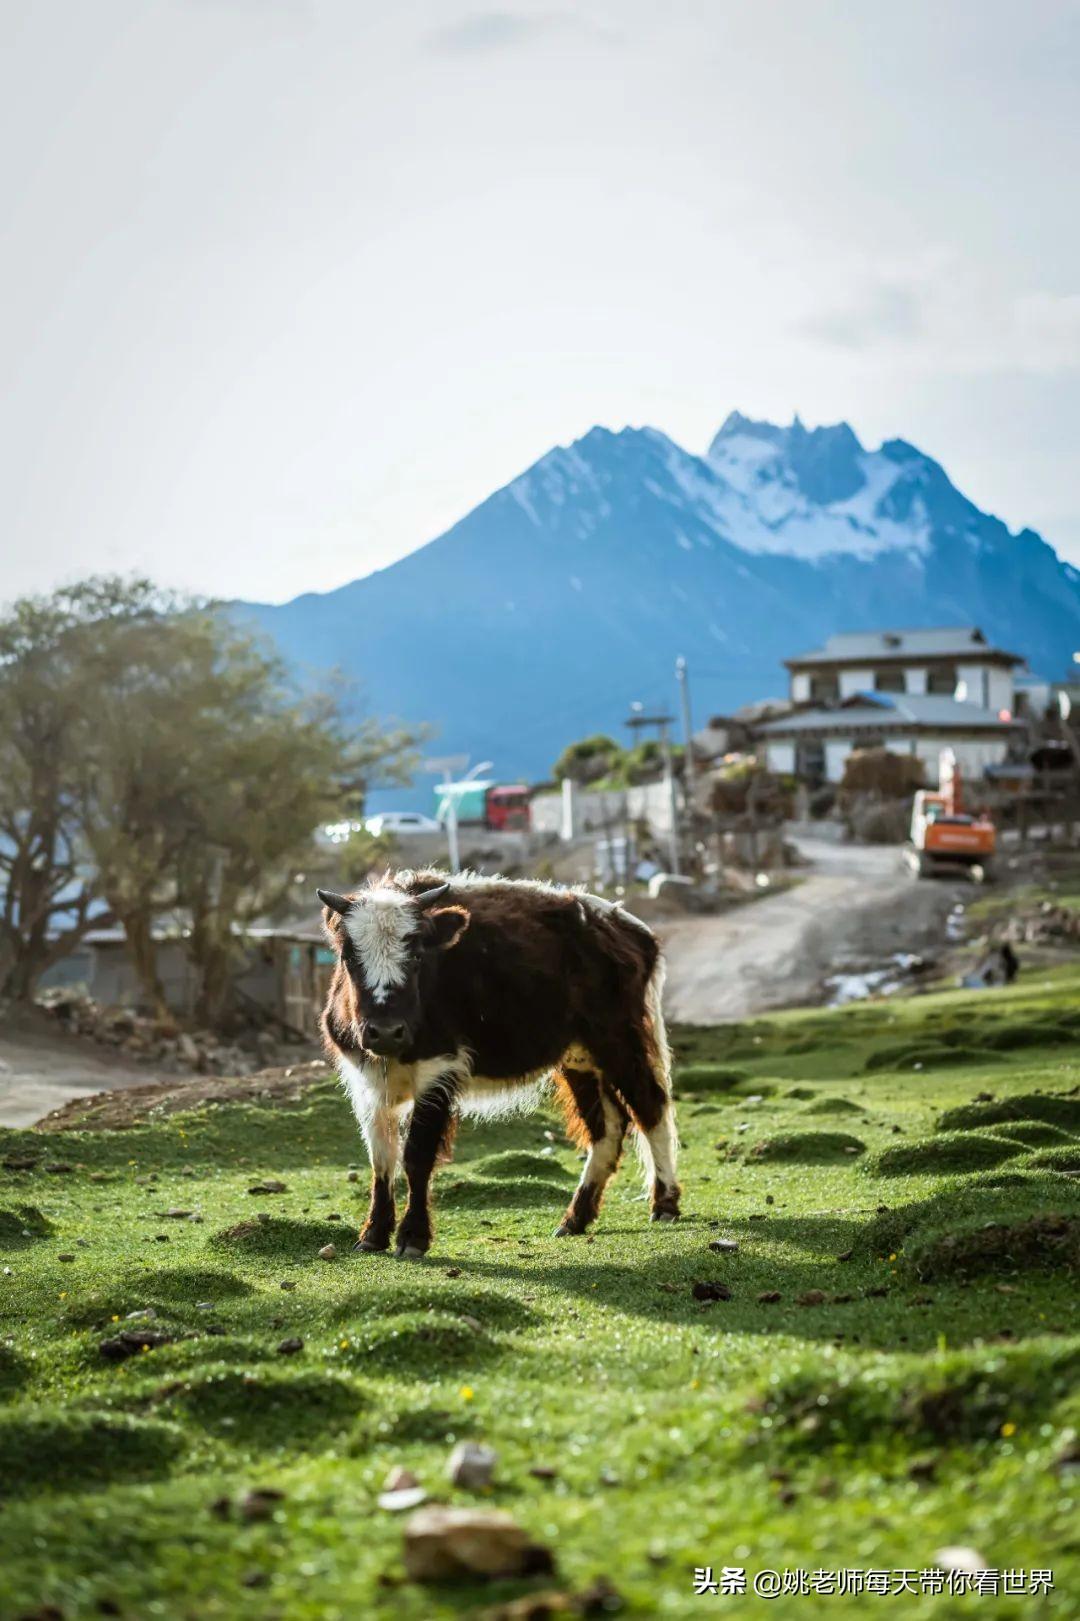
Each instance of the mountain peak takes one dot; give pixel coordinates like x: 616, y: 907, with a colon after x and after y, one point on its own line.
x: 825, y: 464
x: 737, y: 426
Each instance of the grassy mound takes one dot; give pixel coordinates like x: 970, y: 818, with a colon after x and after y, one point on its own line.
x: 474, y: 1193
x: 991, y: 1198
x: 513, y: 1164
x: 963, y: 1399
x: 280, y: 1239
x: 22, y: 1225
x: 938, y: 1156
x: 417, y: 1344
x: 1046, y: 1242
x: 927, y: 1057
x: 1045, y: 1106
x: 70, y: 1451
x: 265, y: 1408
x: 694, y: 1078
x: 808, y: 1147
x: 13, y: 1371
x: 1029, y: 1033
x: 1036, y: 1134
x: 834, y: 1106
x: 1057, y: 1159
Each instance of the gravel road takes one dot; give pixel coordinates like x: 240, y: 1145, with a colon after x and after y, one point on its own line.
x: 856, y: 904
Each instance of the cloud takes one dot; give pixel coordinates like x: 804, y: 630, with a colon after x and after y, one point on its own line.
x: 1047, y: 330
x: 938, y: 314
x: 492, y: 31
x: 887, y: 311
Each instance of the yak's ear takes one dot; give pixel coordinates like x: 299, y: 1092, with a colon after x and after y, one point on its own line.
x: 448, y: 924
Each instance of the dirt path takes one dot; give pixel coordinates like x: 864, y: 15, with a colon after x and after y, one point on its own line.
x: 857, y: 903
x: 39, y: 1070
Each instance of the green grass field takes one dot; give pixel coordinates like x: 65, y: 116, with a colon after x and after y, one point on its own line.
x: 897, y: 1367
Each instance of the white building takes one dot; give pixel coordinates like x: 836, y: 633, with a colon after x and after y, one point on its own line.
x: 912, y: 691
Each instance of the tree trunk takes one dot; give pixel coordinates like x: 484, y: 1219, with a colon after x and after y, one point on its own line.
x: 142, y: 951
x: 217, y: 982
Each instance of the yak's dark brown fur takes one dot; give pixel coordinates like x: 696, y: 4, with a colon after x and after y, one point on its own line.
x: 508, y: 981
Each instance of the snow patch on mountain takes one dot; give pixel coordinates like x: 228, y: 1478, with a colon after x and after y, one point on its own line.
x: 748, y: 494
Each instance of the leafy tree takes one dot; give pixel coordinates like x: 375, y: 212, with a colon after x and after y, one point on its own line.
x: 51, y: 895
x: 208, y: 782
x: 589, y: 760
x: 159, y: 761
x: 283, y: 769
x: 880, y: 772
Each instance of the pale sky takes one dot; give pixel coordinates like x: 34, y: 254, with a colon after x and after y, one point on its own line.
x: 291, y: 285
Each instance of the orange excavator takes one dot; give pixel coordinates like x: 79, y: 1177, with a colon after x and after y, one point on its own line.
x: 945, y: 837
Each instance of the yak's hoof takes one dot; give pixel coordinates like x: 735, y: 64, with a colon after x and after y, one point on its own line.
x: 371, y: 1246
x: 664, y: 1215
x: 566, y: 1229
x: 409, y: 1252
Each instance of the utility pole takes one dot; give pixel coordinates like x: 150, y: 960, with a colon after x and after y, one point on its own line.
x: 637, y: 720
x: 688, y: 731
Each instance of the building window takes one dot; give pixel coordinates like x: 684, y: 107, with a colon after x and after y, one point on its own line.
x: 889, y: 681
x: 943, y: 682
x: 810, y: 760
x: 824, y: 689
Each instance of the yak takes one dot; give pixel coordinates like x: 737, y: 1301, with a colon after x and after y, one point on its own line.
x: 464, y: 994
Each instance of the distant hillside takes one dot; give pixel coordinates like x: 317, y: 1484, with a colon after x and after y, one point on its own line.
x: 569, y: 593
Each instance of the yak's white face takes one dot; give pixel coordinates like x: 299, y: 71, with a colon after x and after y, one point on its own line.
x: 388, y: 940
x: 381, y: 928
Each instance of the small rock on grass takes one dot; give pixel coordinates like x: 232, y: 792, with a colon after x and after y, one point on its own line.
x: 131, y: 1342
x: 959, y: 1558
x: 271, y: 1185
x: 812, y: 1297
x: 845, y: 1255
x: 471, y: 1464
x: 724, y: 1246
x: 405, y: 1497
x: 399, y: 1480
x: 769, y: 1297
x: 442, y: 1543
x: 260, y: 1503
x: 290, y: 1346
x: 328, y: 1252
x: 709, y: 1291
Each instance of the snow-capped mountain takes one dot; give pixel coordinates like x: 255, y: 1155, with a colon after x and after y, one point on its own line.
x: 570, y: 592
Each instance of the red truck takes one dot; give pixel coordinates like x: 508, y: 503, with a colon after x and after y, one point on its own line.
x: 499, y: 807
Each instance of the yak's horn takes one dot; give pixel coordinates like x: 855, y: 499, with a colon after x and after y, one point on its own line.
x: 430, y: 896
x: 337, y: 903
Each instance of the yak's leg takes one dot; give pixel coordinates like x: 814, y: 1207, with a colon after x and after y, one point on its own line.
x: 641, y: 1085
x: 595, y: 1118
x: 383, y: 1137
x: 663, y: 1144
x: 429, y: 1134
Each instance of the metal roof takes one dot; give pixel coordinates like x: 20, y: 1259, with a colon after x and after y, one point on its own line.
x: 892, y: 712
x: 947, y: 641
